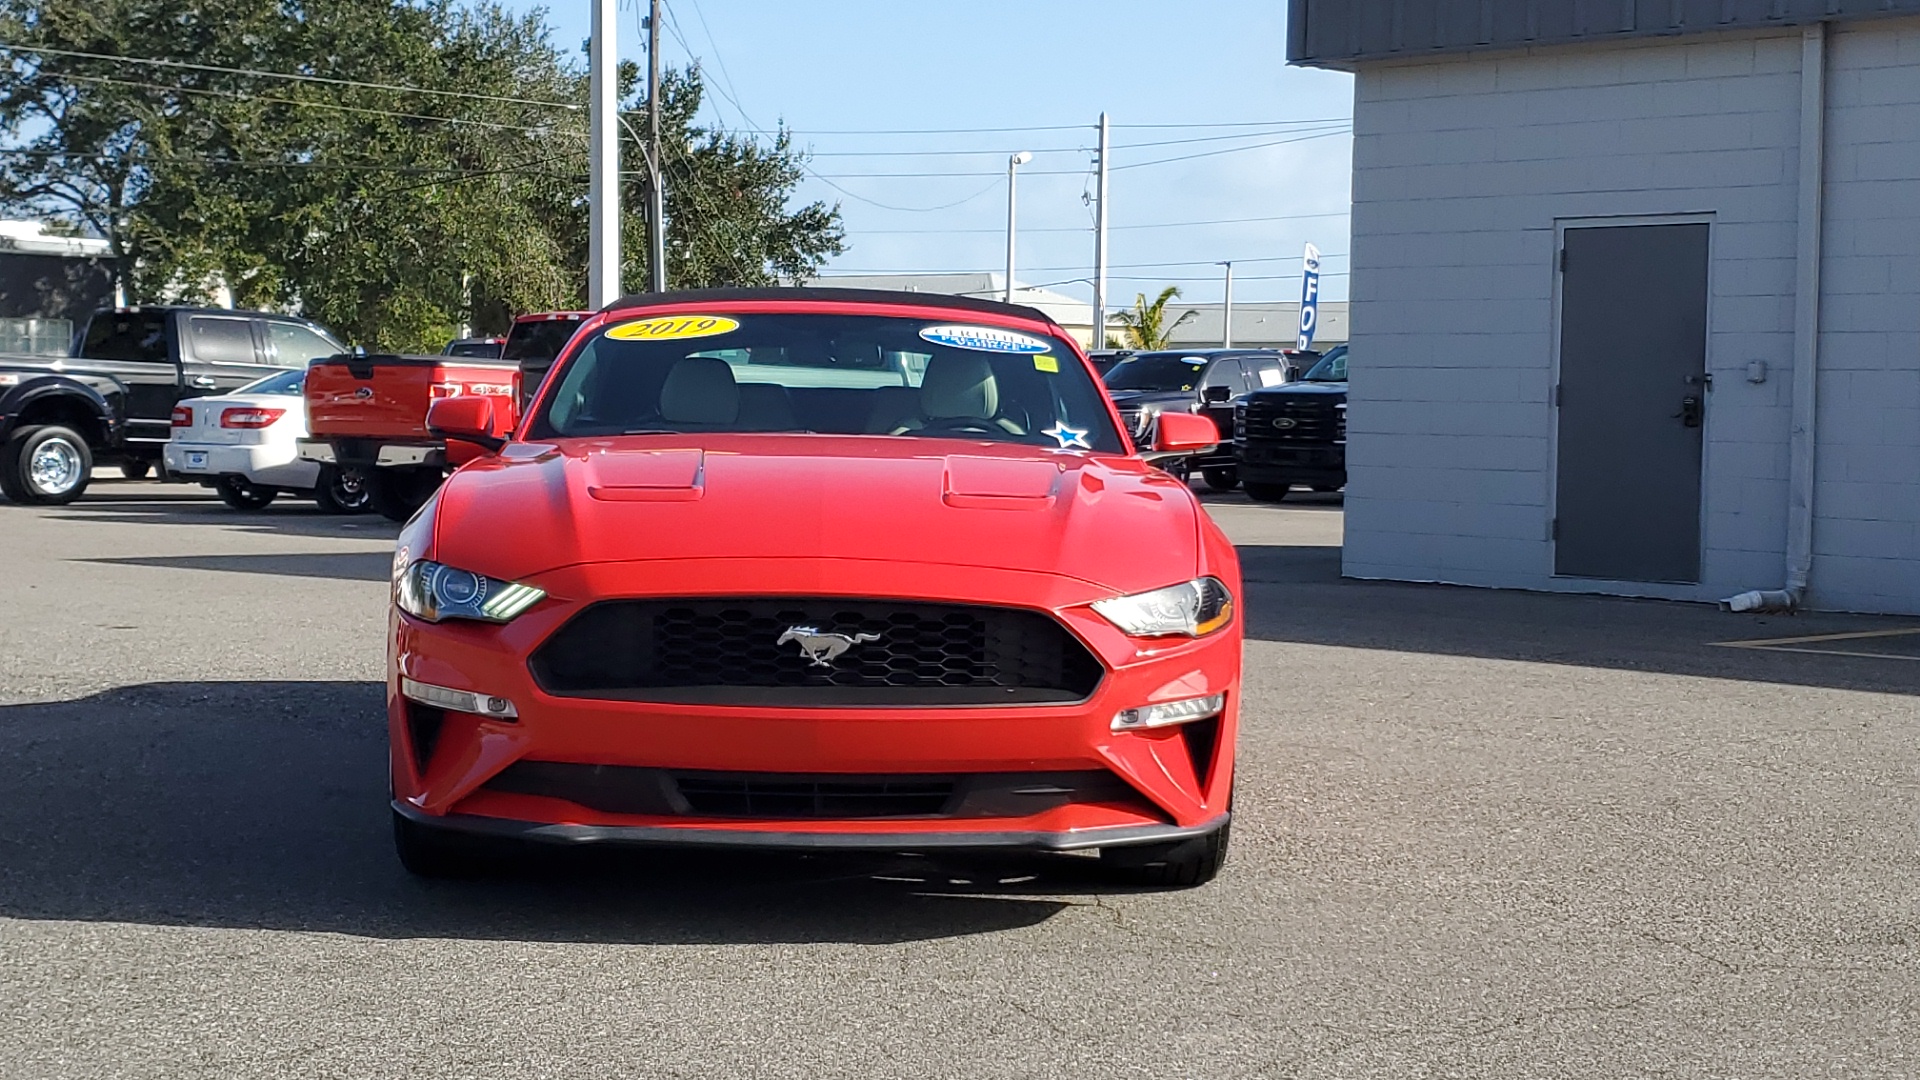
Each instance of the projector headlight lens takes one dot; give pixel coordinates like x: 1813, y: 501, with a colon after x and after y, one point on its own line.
x: 434, y: 591
x: 1192, y: 608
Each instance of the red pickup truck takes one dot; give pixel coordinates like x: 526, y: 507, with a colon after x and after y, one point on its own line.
x: 370, y: 411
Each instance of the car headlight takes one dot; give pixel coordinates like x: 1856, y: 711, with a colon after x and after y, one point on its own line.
x: 1194, y: 608
x: 434, y: 591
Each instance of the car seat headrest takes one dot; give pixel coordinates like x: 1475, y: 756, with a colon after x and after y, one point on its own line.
x: 700, y: 390
x: 959, y: 385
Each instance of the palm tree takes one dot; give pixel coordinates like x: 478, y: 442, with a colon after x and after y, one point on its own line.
x: 1146, y: 326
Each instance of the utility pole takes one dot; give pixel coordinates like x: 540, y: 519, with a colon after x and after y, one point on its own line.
x: 1100, y: 243
x: 603, y: 196
x: 1226, y: 311
x: 1013, y: 165
x: 657, y: 190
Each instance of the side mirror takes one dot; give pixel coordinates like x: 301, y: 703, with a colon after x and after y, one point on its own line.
x: 1178, y: 433
x: 469, y: 418
x: 1217, y: 395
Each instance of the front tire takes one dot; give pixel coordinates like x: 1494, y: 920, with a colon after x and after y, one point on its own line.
x: 341, y: 491
x: 434, y: 853
x: 1221, y: 478
x: 395, y: 494
x: 1268, y: 492
x: 45, y: 466
x: 1180, y: 864
x: 136, y: 469
x: 242, y: 495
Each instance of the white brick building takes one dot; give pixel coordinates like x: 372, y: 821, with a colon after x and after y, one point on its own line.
x: 1540, y: 207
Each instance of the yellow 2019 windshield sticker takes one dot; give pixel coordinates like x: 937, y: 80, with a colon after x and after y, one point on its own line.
x: 1046, y: 362
x: 674, y: 328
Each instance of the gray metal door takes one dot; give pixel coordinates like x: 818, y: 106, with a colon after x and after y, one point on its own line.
x: 1632, y: 401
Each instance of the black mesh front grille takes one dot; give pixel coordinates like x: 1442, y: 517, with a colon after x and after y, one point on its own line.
x: 800, y: 797
x: 1297, y: 418
x: 808, y: 651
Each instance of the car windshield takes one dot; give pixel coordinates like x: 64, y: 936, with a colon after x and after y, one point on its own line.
x: 538, y: 339
x: 1157, y: 371
x: 489, y: 349
x: 837, y: 374
x: 1331, y: 368
x: 284, y: 384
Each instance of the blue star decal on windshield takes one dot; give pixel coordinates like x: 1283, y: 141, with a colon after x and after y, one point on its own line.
x: 1070, y: 438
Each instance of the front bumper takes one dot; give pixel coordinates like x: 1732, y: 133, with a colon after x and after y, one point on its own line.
x: 266, y: 464
x: 1172, y: 782
x: 1260, y: 461
x: 777, y: 839
x: 365, y: 453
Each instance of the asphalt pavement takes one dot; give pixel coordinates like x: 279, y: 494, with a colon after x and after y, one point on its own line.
x: 1478, y: 834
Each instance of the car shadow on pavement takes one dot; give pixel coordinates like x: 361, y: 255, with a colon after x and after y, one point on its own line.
x: 335, y: 565
x: 264, y: 805
x: 157, y: 505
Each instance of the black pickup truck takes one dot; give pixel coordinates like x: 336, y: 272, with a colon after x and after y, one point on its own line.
x: 1295, y: 434
x: 111, y: 400
x: 1205, y: 381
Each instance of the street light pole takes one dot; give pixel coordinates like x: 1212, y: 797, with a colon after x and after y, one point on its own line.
x: 1226, y: 312
x: 603, y: 196
x: 657, y: 206
x: 1100, y: 244
x: 1013, y: 165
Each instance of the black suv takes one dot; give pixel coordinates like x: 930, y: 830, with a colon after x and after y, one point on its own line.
x: 1196, y: 380
x: 1295, y: 434
x: 112, y: 400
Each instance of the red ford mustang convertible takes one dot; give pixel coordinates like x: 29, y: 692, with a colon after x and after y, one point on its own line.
x: 817, y: 569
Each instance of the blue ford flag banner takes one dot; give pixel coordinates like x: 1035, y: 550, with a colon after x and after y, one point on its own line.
x: 1309, y: 295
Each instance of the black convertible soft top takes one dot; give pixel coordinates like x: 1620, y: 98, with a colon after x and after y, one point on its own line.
x: 854, y: 296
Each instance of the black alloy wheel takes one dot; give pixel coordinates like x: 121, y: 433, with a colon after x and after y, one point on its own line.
x: 342, y: 490
x: 48, y: 465
x: 1179, y: 864
x: 1221, y: 477
x: 242, y: 495
x: 436, y: 853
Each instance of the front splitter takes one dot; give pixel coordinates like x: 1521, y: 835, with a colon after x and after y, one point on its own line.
x: 773, y: 840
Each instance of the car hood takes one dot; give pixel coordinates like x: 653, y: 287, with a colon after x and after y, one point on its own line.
x: 1335, y: 389
x: 1111, y: 521
x: 1136, y: 398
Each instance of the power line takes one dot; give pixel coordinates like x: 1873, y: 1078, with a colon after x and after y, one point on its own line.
x: 1059, y: 127
x: 1083, y: 228
x: 1230, y: 150
x: 237, y: 95
x: 245, y: 163
x: 1116, y: 266
x: 1078, y: 172
x: 259, y: 74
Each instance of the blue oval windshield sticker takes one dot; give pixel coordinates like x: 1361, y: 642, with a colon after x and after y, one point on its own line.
x: 984, y: 339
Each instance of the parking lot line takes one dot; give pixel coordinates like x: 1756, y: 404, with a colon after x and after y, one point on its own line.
x: 1798, y: 644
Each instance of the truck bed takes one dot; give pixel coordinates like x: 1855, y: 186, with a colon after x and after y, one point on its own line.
x: 385, y: 397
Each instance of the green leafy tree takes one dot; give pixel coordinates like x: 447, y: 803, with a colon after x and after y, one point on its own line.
x: 1146, y: 326
x: 430, y: 172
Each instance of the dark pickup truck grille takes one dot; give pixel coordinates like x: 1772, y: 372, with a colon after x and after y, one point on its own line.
x: 1295, y: 418
x: 843, y: 652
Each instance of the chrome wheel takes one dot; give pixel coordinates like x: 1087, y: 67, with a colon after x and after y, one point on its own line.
x: 54, y: 468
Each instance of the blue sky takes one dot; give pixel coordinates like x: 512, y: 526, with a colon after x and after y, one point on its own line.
x: 841, y: 73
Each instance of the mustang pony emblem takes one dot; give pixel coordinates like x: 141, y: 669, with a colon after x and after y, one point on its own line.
x: 822, y: 649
